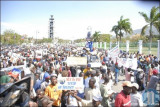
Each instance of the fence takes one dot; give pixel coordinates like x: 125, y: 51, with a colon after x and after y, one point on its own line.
x: 133, y: 46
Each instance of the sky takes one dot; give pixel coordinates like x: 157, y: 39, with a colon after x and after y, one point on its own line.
x: 72, y: 18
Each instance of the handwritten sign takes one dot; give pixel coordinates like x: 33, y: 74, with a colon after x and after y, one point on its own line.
x: 71, y: 61
x: 128, y: 63
x: 70, y: 83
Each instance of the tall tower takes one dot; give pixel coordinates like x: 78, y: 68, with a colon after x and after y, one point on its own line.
x: 51, y: 28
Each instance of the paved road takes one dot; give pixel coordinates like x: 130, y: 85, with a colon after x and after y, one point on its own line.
x: 117, y: 88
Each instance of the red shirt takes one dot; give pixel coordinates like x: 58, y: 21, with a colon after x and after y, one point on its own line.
x: 122, y: 100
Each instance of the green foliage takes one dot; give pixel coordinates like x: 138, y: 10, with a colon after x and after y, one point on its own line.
x: 10, y: 37
x: 79, y: 40
x: 123, y: 26
x: 62, y: 41
x: 105, y: 38
x: 152, y: 20
x: 44, y: 40
x: 96, y: 37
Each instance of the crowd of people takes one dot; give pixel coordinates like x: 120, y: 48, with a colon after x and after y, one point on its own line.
x: 98, y: 83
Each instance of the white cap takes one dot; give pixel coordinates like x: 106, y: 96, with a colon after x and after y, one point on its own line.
x: 135, y: 85
x: 139, y: 69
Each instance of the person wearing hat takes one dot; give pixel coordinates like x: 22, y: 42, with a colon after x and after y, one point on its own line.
x: 52, y: 91
x: 104, y: 65
x: 154, y: 80
x: 88, y: 68
x: 46, y: 82
x: 136, y: 97
x: 123, y: 99
x: 140, y: 79
x: 94, y: 102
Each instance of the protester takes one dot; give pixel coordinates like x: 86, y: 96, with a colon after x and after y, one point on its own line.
x: 92, y: 90
x: 123, y: 98
x: 71, y: 100
x: 88, y: 68
x: 116, y: 73
x: 43, y: 100
x: 106, y: 92
x: 98, y: 82
x: 154, y: 80
x: 53, y: 92
x: 4, y: 79
x: 140, y: 79
x: 136, y: 97
x: 45, y: 83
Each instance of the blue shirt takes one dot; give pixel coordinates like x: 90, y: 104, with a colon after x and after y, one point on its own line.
x: 37, y: 85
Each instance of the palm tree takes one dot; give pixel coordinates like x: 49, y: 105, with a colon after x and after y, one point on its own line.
x: 152, y: 20
x: 124, y: 26
x: 96, y: 36
x: 115, y: 30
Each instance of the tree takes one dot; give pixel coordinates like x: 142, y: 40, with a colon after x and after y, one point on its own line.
x: 96, y: 36
x: 124, y: 26
x: 152, y: 20
x: 105, y: 37
x: 115, y: 29
x: 10, y: 37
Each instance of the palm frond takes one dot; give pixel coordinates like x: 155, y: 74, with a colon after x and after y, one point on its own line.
x: 145, y: 16
x: 144, y: 29
x: 156, y: 18
x: 153, y: 12
x: 157, y: 25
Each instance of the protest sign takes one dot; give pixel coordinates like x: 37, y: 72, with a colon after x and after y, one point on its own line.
x: 128, y: 62
x: 70, y: 83
x: 73, y: 61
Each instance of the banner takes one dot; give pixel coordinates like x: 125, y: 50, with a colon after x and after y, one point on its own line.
x: 73, y: 61
x: 113, y: 53
x: 70, y: 83
x: 128, y: 63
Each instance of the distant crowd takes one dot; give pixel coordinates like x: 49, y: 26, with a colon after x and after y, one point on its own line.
x: 98, y: 82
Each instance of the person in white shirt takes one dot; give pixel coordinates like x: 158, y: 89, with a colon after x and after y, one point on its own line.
x: 88, y: 73
x: 97, y: 77
x: 71, y: 100
x: 136, y: 97
x: 91, y: 90
x: 42, y: 74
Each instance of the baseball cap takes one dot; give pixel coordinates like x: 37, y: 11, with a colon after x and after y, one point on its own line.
x: 127, y: 83
x: 135, y: 85
x: 103, y: 63
x: 89, y: 65
x: 54, y: 75
x: 155, y: 72
x: 139, y: 69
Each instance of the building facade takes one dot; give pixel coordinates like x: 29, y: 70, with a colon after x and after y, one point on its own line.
x: 51, y: 27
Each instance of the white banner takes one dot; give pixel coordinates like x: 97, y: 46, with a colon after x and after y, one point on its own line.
x: 71, y: 61
x: 70, y: 83
x: 128, y: 63
x: 113, y: 53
